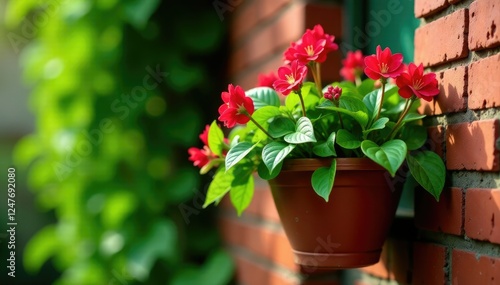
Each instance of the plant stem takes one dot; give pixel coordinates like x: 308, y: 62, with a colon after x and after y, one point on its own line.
x: 407, y: 107
x: 258, y: 125
x: 358, y: 80
x: 340, y: 120
x: 316, y: 73
x: 302, y: 104
x: 383, y: 81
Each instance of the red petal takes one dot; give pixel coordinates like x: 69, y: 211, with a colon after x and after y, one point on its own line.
x: 372, y: 74
x: 371, y: 62
x: 405, y: 92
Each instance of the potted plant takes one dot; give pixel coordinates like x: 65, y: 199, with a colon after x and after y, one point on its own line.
x: 328, y: 153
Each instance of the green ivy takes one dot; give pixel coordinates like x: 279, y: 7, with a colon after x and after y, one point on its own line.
x: 119, y: 91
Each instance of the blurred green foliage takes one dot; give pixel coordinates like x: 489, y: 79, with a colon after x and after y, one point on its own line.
x: 120, y: 89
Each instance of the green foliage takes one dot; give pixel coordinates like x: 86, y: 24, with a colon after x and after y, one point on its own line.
x: 428, y: 170
x: 322, y: 180
x: 389, y: 155
x: 119, y: 91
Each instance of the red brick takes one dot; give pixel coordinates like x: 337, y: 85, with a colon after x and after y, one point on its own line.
x: 248, y: 16
x: 248, y: 78
x: 453, y: 93
x: 428, y: 264
x: 436, y: 139
x: 443, y: 216
x: 270, y: 39
x: 269, y: 244
x: 437, y: 42
x: 262, y: 204
x: 427, y: 7
x: 468, y: 269
x: 482, y: 214
x: 277, y: 36
x: 253, y: 273
x: 471, y: 146
x: 484, y: 18
x: 484, y: 83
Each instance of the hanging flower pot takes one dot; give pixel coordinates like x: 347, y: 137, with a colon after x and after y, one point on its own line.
x: 347, y: 231
x: 328, y: 153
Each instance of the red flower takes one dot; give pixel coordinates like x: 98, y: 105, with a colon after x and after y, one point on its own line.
x: 290, y: 77
x: 204, y: 135
x: 415, y: 82
x: 313, y: 46
x: 333, y: 93
x: 237, y: 107
x: 199, y: 156
x: 353, y: 65
x: 384, y: 64
x: 267, y: 80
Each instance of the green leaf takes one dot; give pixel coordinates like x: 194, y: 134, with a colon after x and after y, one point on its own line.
x: 264, y: 116
x: 351, y: 106
x: 429, y: 171
x: 292, y: 101
x: 218, y: 268
x: 366, y: 86
x: 238, y: 152
x: 347, y: 140
x: 159, y: 242
x: 138, y: 11
x: 220, y: 185
x: 414, y: 136
x: 274, y: 153
x: 241, y: 194
x: 372, y: 103
x: 263, y: 96
x: 264, y: 173
x: 322, y: 180
x: 378, y: 125
x: 215, y: 139
x: 281, y: 126
x: 412, y: 117
x: 390, y: 155
x: 304, y: 132
x: 327, y: 148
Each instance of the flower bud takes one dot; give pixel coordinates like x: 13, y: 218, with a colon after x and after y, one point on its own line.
x: 333, y: 93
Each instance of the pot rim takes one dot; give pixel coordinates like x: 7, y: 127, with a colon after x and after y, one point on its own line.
x: 344, y: 163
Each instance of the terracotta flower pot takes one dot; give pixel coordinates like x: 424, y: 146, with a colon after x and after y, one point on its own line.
x: 350, y: 229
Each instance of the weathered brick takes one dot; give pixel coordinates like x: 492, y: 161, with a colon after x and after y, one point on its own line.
x: 453, y: 93
x: 428, y: 264
x: 472, y: 146
x: 484, y: 83
x: 247, y: 16
x: 252, y: 273
x: 269, y: 244
x: 269, y: 40
x: 428, y: 7
x: 443, y: 216
x: 467, y: 268
x: 437, y: 43
x: 482, y: 214
x: 484, y: 18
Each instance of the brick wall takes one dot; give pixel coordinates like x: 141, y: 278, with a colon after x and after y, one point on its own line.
x: 454, y: 241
